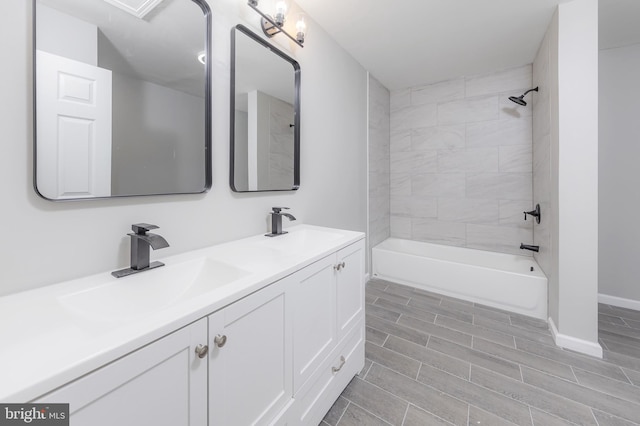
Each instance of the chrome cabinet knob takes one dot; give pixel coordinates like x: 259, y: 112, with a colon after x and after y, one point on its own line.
x: 339, y: 266
x: 201, y: 351
x: 220, y: 340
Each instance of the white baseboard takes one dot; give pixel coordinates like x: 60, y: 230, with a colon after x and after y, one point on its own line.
x: 573, y: 343
x: 367, y: 277
x: 619, y: 301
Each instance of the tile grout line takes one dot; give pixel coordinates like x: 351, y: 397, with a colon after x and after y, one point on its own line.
x: 574, y: 374
x: 537, y: 389
x: 468, y: 413
x: 344, y: 411
x: 593, y: 414
x: 406, y: 411
x: 367, y: 411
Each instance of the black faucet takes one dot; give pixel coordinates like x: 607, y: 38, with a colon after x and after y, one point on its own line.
x: 141, y: 242
x: 276, y: 221
x: 535, y: 213
x: 528, y: 247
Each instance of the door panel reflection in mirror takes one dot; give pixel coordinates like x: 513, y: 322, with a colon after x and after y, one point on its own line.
x: 265, y: 123
x: 122, y: 103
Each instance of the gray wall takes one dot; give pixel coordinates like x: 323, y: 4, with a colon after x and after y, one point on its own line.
x: 66, y: 36
x: 47, y: 242
x: 566, y: 172
x: 379, y: 151
x: 158, y: 139
x: 619, y: 173
x: 461, y: 162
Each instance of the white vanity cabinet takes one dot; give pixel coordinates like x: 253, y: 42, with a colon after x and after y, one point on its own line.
x: 277, y: 352
x: 250, y: 358
x: 161, y: 384
x: 328, y: 330
x: 274, y: 354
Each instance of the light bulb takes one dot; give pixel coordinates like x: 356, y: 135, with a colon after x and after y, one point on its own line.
x: 301, y: 28
x: 281, y: 11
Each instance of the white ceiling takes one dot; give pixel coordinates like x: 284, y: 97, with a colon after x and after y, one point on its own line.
x: 407, y: 43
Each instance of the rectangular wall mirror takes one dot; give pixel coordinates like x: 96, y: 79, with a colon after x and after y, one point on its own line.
x: 122, y: 98
x: 265, y: 116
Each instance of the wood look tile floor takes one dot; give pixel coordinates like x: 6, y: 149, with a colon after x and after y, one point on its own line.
x: 435, y: 360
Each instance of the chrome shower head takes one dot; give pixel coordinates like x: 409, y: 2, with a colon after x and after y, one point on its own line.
x: 520, y: 99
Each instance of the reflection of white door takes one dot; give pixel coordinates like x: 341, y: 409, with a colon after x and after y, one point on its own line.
x: 73, y: 128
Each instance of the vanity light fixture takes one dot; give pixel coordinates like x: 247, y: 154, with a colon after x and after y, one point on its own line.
x: 274, y: 25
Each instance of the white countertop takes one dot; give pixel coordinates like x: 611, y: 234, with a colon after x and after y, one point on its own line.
x: 44, y: 344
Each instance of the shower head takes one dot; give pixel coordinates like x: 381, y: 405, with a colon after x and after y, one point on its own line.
x: 520, y: 99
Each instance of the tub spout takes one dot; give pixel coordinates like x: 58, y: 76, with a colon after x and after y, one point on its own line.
x: 528, y: 247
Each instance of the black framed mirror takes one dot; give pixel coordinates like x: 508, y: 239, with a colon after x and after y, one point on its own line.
x: 265, y: 116
x: 122, y: 98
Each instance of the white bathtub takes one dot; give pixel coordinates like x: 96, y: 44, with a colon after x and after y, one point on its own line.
x: 499, y: 280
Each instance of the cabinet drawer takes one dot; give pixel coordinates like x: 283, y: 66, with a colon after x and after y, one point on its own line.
x: 320, y: 392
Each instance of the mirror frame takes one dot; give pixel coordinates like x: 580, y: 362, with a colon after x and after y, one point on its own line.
x: 206, y: 10
x: 296, y: 108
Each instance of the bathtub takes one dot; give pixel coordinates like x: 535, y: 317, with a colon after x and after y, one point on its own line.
x: 510, y: 282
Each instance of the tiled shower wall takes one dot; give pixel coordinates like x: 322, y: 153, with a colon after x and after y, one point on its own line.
x: 542, y: 188
x: 461, y: 162
x: 379, y: 213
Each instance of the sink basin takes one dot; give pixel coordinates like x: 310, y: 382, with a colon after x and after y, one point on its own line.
x: 151, y: 291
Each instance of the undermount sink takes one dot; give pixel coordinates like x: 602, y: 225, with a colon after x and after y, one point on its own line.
x: 151, y: 291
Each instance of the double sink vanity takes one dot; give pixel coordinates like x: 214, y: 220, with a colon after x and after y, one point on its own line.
x: 256, y: 331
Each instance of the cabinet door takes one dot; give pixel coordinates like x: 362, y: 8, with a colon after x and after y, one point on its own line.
x: 163, y: 383
x: 350, y: 287
x: 314, y: 317
x: 250, y: 359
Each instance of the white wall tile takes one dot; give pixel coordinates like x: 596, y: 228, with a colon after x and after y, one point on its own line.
x: 438, y: 137
x: 516, y: 158
x: 468, y: 210
x: 380, y: 231
x: 470, y: 110
x: 499, y: 238
x: 400, y: 183
x: 400, y: 140
x: 400, y: 227
x: 413, y: 117
x: 409, y: 206
x: 482, y: 175
x: 542, y: 168
x: 499, y: 133
x: 468, y: 160
x: 501, y: 186
x: 400, y: 99
x: 413, y: 161
x: 438, y: 185
x: 513, y: 79
x: 439, y: 232
x: 443, y: 91
x: 379, y: 164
